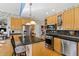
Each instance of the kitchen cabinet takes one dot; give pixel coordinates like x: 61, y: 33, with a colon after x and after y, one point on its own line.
x: 16, y: 23
x: 76, y: 25
x: 52, y: 19
x: 39, y: 49
x: 68, y: 19
x: 24, y: 21
x: 57, y: 45
x: 36, y: 51
x: 78, y: 49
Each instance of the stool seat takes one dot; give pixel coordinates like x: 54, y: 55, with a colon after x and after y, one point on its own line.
x: 20, y: 49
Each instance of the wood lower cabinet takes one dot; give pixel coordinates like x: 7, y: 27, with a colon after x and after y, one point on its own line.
x: 36, y: 51
x: 78, y: 49
x: 57, y: 45
x: 68, y: 19
x: 39, y: 49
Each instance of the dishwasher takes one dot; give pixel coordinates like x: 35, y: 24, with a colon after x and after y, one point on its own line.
x: 69, y: 48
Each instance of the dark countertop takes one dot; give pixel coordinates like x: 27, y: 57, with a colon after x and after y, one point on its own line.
x: 33, y: 40
x: 15, y: 33
x: 26, y: 39
x: 65, y: 37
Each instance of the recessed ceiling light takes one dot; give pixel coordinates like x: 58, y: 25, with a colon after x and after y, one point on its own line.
x: 53, y: 10
x: 47, y: 13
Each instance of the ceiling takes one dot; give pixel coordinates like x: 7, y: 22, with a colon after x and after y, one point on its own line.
x: 39, y: 11
x: 12, y: 8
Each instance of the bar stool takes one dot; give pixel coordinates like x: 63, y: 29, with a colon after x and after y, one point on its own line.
x: 18, y: 49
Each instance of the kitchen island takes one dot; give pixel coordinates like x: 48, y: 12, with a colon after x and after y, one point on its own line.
x: 6, y: 48
x: 28, y: 43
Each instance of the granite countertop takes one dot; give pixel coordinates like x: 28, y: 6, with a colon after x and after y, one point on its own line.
x: 27, y: 41
x: 65, y: 37
x: 30, y: 41
x: 15, y: 33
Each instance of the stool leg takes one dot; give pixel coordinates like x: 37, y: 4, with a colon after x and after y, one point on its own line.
x: 25, y: 53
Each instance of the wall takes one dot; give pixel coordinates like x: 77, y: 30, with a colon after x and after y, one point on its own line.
x: 37, y: 30
x: 38, y: 27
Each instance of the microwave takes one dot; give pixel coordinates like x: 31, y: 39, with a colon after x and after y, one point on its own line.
x: 51, y: 27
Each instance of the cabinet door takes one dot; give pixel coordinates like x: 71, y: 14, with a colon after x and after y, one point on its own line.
x: 76, y: 25
x: 24, y: 21
x: 52, y: 20
x: 16, y: 23
x: 39, y: 49
x: 78, y: 49
x: 57, y: 45
x: 36, y: 49
x: 68, y: 19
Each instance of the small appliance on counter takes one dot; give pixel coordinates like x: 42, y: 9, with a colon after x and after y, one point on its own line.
x: 50, y: 28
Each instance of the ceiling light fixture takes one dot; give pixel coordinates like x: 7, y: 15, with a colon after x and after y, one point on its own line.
x: 33, y: 22
x: 28, y: 24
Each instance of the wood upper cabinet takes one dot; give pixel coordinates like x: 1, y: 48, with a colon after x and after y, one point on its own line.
x: 68, y: 19
x: 76, y: 25
x: 24, y: 21
x: 16, y: 23
x: 52, y: 19
x: 57, y: 45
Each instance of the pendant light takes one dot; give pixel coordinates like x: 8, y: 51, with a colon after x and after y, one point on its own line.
x: 33, y: 23
x: 28, y: 24
x: 30, y: 9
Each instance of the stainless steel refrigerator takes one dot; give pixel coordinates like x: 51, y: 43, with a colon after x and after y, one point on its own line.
x: 26, y: 33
